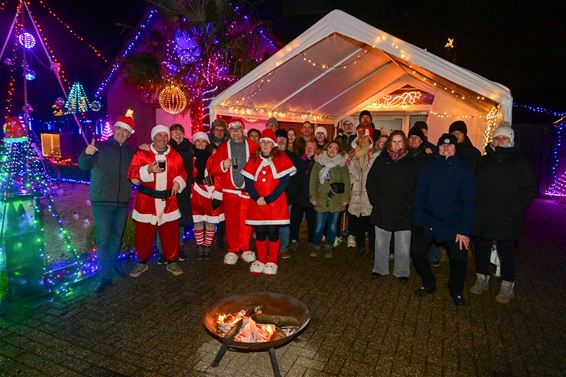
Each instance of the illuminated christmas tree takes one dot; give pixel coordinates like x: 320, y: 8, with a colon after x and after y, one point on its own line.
x: 26, y: 190
x: 77, y: 101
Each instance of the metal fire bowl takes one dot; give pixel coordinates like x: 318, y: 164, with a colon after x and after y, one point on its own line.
x: 273, y: 303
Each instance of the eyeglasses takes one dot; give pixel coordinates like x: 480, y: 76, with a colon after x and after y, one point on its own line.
x: 333, y: 148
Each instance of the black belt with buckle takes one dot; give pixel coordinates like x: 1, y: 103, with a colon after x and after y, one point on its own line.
x: 158, y: 194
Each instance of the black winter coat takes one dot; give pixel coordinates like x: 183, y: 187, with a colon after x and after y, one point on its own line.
x: 468, y: 153
x: 390, y: 186
x: 506, y: 185
x: 444, y: 198
x: 296, y: 182
x: 303, y: 175
x: 186, y: 149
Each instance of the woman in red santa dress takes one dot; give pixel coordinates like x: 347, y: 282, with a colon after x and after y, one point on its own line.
x: 206, y: 196
x: 267, y: 175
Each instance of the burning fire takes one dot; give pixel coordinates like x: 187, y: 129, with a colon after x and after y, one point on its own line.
x: 241, y: 327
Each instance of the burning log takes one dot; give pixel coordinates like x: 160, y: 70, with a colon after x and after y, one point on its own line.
x: 277, y: 320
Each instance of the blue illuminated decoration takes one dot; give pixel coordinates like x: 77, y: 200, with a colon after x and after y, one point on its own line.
x: 125, y: 53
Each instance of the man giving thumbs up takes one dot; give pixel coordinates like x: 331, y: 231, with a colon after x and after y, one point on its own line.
x: 110, y: 192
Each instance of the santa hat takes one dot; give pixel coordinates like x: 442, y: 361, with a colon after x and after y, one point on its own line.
x: 367, y: 132
x: 125, y: 122
x: 268, y: 135
x: 201, y: 136
x: 236, y: 123
x: 321, y: 129
x: 159, y: 128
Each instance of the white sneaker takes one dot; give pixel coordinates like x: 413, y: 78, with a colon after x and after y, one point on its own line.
x: 481, y: 284
x: 248, y: 256
x: 139, y: 269
x: 230, y: 259
x: 256, y: 267
x: 506, y: 292
x: 270, y: 269
x: 174, y: 268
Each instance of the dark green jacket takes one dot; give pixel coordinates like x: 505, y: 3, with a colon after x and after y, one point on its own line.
x: 319, y: 192
x: 109, y: 172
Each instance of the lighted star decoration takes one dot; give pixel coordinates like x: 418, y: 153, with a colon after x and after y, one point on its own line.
x: 450, y: 43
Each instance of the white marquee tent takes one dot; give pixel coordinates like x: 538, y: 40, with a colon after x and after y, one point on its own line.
x: 342, y: 65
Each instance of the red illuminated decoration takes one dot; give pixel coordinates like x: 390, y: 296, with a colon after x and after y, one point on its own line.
x: 14, y: 129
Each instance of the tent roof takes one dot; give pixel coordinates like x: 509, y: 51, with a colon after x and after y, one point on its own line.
x: 341, y: 65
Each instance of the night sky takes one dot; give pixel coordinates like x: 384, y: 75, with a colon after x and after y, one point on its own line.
x: 520, y: 44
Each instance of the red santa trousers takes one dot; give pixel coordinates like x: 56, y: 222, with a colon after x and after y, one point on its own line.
x: 238, y: 234
x: 168, y: 235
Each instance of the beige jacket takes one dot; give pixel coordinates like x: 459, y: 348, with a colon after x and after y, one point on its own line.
x: 359, y: 201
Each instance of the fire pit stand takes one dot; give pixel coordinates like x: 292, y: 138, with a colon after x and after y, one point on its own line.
x: 272, y: 357
x: 273, y: 303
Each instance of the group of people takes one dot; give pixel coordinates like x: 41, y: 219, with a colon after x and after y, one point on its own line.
x: 409, y: 196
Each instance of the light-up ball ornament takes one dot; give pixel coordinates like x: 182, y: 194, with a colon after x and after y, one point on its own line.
x: 8, y: 61
x: 95, y: 105
x: 27, y: 40
x: 172, y: 99
x: 29, y: 74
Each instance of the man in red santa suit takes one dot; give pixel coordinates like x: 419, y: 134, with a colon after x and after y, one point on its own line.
x: 161, y: 175
x: 230, y: 158
x: 267, y: 176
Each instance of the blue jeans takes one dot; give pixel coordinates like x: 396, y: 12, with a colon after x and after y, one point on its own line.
x: 329, y: 219
x: 284, y: 235
x: 110, y: 221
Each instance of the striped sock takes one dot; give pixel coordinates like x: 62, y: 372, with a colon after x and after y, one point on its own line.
x: 209, y: 237
x: 199, y: 237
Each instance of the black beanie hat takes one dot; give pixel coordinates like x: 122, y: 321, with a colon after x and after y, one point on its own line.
x: 365, y: 112
x: 447, y: 139
x: 458, y: 125
x: 281, y: 133
x: 420, y: 125
x: 417, y: 132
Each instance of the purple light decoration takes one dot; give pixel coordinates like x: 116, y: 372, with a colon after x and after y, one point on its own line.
x: 117, y: 64
x: 558, y: 187
x: 27, y: 40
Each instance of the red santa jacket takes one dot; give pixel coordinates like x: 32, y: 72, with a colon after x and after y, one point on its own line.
x: 217, y: 169
x: 153, y: 210
x: 266, y: 174
x: 209, y: 192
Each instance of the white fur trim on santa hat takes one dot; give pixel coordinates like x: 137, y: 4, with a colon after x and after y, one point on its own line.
x: 321, y: 129
x: 366, y: 133
x: 124, y: 126
x: 201, y: 136
x: 159, y: 128
x: 235, y: 124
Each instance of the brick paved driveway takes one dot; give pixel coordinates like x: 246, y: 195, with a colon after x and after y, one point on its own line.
x: 151, y: 326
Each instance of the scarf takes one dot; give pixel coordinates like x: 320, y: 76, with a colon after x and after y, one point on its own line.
x: 201, y: 157
x: 327, y: 164
x: 397, y: 155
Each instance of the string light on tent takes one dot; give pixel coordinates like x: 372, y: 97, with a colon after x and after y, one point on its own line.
x: 490, y: 124
x: 405, y: 99
x: 314, y: 63
x: 452, y: 115
x: 260, y: 85
x: 293, y: 115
